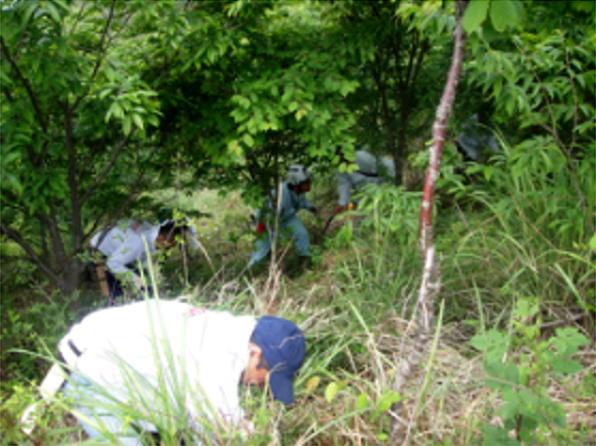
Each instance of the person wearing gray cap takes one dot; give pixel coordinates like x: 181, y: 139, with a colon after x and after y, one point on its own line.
x: 292, y: 200
x: 147, y: 356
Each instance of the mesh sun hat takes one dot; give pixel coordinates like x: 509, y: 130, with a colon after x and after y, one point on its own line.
x: 283, y: 346
x: 298, y: 174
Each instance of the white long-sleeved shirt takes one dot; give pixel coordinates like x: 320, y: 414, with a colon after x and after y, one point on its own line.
x: 192, y: 232
x: 179, y: 352
x: 368, y: 172
x: 124, y: 244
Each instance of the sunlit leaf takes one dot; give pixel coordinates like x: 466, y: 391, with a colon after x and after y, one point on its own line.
x: 475, y: 14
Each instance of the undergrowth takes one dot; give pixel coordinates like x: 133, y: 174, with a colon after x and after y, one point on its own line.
x: 356, y: 308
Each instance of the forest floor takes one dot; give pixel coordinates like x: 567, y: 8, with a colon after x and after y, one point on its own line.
x: 355, y: 307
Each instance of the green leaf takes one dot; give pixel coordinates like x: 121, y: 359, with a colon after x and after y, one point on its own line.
x: 248, y: 140
x: 32, y: 6
x: 385, y: 401
x: 53, y: 12
x: 138, y: 121
x: 331, y: 391
x: 104, y: 93
x: 592, y: 243
x: 519, y: 9
x: 503, y: 13
x: 127, y: 124
x: 300, y: 113
x: 566, y: 366
x: 479, y: 342
x: 475, y: 14
x: 497, y: 435
x: 362, y: 401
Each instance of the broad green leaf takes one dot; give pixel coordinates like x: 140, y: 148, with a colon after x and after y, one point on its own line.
x: 248, y: 140
x: 566, y: 366
x: 519, y: 9
x: 138, y: 121
x: 497, y: 436
x: 126, y: 125
x: 331, y: 391
x: 31, y: 7
x: 385, y: 401
x: 479, y: 342
x: 53, y: 12
x: 362, y: 401
x: 475, y: 14
x: 592, y: 243
x: 502, y: 14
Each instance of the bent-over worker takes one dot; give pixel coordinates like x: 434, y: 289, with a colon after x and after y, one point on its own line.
x: 167, y: 364
x: 474, y: 138
x: 368, y: 172
x: 124, y: 244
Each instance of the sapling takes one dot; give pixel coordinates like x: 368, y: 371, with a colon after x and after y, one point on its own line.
x: 431, y: 275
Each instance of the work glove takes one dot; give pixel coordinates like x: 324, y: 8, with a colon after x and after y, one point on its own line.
x: 138, y: 283
x: 339, y: 209
x: 260, y: 227
x: 313, y: 209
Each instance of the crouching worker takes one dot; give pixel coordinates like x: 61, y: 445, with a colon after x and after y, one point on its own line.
x: 369, y: 170
x: 124, y: 244
x: 293, y: 199
x: 173, y: 369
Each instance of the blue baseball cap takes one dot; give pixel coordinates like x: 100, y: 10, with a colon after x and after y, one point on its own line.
x: 283, y: 346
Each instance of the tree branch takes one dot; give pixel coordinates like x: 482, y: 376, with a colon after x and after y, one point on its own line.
x: 107, y: 169
x: 119, y: 212
x: 77, y: 230
x: 8, y: 95
x: 27, y: 86
x: 100, y: 57
x: 74, y: 26
x: 411, y: 57
x: 32, y: 254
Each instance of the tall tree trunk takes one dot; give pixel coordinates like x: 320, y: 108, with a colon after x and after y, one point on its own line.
x: 431, y: 281
x: 388, y: 119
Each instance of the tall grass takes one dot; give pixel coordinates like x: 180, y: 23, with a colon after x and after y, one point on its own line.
x: 357, y: 307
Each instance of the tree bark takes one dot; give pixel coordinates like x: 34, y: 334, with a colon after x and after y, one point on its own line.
x: 430, y: 285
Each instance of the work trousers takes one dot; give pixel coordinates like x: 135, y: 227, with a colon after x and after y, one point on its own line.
x: 299, y: 235
x: 114, y: 284
x: 91, y: 408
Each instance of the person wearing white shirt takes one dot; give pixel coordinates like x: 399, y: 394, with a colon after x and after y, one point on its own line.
x: 166, y: 214
x: 152, y: 356
x: 123, y: 245
x: 367, y: 172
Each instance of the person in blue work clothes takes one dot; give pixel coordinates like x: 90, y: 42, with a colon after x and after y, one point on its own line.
x: 368, y: 171
x: 293, y: 199
x: 476, y: 138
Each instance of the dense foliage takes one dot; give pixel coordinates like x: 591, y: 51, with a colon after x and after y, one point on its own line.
x: 113, y: 109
